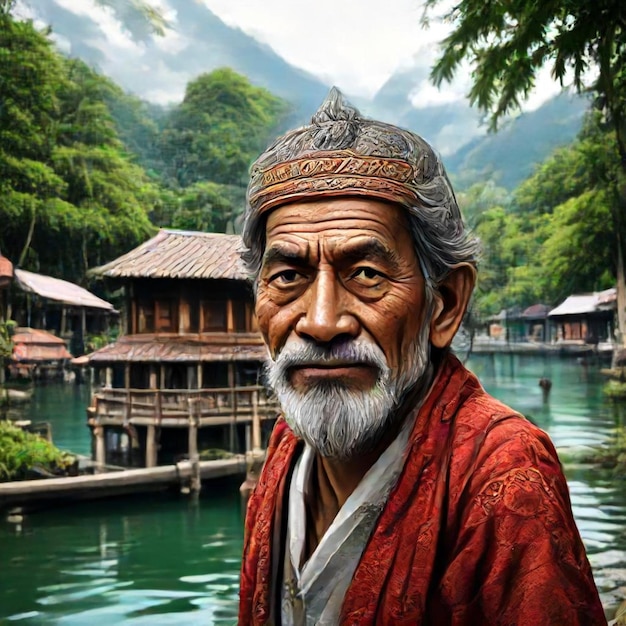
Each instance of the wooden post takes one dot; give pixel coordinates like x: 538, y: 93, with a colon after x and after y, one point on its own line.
x: 230, y: 318
x: 195, y: 483
x: 256, y: 422
x: 83, y: 329
x: 108, y: 377
x: 98, y: 433
x: 63, y: 321
x: 129, y: 400
x: 151, y: 448
x: 233, y: 406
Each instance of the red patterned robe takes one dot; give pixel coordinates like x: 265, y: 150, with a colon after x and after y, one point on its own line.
x: 477, y: 531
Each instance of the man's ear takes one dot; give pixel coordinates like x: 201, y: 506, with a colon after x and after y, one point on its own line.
x: 451, y: 300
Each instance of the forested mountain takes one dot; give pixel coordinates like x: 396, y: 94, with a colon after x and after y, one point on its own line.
x: 158, y: 69
x: 512, y: 154
x: 552, y: 236
x: 470, y: 153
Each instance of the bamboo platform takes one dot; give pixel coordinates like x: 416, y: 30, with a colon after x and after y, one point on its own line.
x: 34, y: 494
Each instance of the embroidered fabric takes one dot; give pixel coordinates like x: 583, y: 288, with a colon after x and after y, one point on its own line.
x: 313, y: 594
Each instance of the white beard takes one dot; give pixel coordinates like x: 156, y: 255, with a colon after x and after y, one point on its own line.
x: 336, y: 421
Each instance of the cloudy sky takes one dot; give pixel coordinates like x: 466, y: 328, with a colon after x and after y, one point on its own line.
x: 355, y: 44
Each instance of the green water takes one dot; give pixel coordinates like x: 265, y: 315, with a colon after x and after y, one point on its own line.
x: 157, y: 560
x: 170, y: 560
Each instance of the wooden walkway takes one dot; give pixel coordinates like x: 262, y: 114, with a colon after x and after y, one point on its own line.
x: 33, y: 494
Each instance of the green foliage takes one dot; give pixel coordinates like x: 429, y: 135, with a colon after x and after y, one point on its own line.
x: 64, y: 173
x: 6, y: 340
x: 97, y: 341
x: 208, y: 207
x: 222, y: 124
x: 21, y: 452
x: 505, y: 44
x: 553, y: 237
x: 74, y: 151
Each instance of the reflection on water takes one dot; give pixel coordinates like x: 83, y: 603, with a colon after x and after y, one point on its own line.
x: 156, y: 560
x: 167, y: 560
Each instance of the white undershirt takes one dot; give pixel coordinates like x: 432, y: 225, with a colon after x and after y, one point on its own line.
x: 321, y: 583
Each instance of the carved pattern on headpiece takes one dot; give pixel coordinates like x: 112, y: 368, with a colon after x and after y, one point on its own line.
x: 342, y: 153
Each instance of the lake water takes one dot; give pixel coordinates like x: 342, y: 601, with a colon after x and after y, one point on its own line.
x: 174, y: 560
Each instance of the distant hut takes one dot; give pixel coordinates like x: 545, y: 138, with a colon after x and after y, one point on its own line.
x: 535, y: 319
x: 37, y: 354
x: 585, y: 319
x: 185, y: 376
x: 49, y: 313
x: 6, y: 276
x: 62, y: 307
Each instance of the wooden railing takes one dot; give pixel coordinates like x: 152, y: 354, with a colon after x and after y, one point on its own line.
x: 135, y: 405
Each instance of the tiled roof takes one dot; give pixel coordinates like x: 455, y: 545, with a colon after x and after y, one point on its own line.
x: 31, y: 344
x: 6, y: 268
x: 180, y: 348
x: 536, y: 311
x: 180, y: 254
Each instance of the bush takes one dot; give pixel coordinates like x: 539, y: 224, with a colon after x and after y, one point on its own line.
x: 25, y: 455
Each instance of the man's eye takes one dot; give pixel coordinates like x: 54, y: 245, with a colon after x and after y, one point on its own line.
x: 286, y: 277
x: 367, y: 274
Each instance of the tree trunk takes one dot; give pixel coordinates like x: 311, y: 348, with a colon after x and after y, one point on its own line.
x: 29, y: 237
x: 619, y: 220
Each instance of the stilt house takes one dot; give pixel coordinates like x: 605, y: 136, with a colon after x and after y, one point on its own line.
x: 184, y: 376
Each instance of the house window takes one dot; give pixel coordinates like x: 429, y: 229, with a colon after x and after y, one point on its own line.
x: 239, y: 316
x: 145, y: 317
x: 214, y: 316
x: 165, y: 315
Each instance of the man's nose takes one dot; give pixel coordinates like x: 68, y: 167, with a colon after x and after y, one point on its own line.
x: 326, y: 317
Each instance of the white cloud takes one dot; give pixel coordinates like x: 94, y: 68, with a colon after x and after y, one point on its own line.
x: 355, y: 44
x: 116, y: 39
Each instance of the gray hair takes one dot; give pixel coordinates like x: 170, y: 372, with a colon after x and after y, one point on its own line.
x: 344, y: 154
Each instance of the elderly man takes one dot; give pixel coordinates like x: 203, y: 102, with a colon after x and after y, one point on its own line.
x: 395, y: 490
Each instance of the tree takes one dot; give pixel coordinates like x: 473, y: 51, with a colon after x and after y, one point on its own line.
x: 208, y: 207
x: 65, y: 176
x: 218, y: 129
x: 506, y: 43
x: 31, y: 74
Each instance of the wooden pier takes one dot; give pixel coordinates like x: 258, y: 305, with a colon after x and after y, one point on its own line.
x: 33, y: 494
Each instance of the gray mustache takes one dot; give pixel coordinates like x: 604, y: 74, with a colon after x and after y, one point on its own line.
x: 352, y: 352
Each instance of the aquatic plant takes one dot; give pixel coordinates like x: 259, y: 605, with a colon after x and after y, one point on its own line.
x: 26, y: 455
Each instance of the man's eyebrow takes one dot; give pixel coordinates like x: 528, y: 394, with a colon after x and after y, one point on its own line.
x: 373, y: 250
x: 280, y: 254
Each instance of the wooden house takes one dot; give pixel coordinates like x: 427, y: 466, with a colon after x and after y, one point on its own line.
x: 585, y: 319
x: 49, y: 313
x: 184, y: 377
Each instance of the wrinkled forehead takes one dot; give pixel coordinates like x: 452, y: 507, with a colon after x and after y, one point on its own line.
x: 339, y: 228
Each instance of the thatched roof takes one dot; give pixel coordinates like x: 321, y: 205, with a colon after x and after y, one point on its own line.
x: 180, y: 254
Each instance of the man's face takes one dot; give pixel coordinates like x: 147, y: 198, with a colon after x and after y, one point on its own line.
x: 341, y: 304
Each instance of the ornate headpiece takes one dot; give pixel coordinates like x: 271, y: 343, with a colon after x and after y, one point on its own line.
x: 343, y: 154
